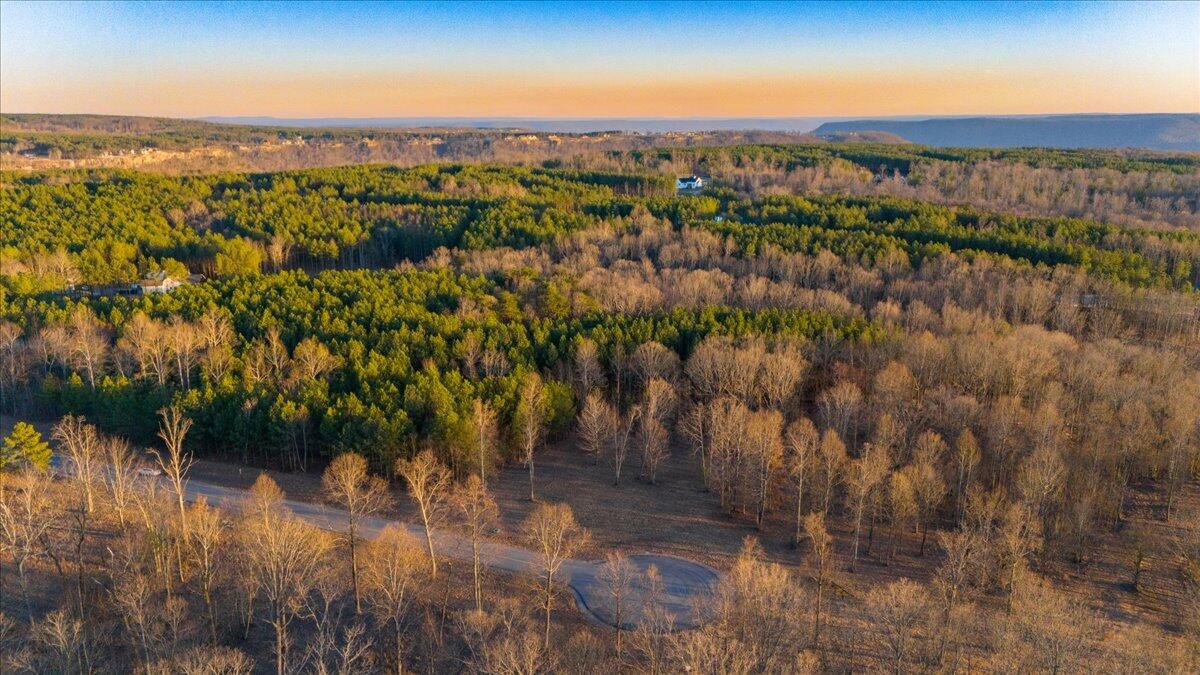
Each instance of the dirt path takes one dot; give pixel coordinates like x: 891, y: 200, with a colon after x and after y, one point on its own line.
x: 686, y: 590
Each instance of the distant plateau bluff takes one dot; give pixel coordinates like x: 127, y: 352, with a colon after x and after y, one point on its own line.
x: 1176, y: 132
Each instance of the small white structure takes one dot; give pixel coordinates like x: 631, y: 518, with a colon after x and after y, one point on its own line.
x: 689, y: 183
x: 159, y: 282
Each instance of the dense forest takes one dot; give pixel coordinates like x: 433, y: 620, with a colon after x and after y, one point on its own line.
x: 1135, y: 188
x: 974, y: 429
x: 101, y: 227
x: 82, y: 136
x: 1138, y: 188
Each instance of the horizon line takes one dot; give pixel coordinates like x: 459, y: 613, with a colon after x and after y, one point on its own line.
x: 646, y: 118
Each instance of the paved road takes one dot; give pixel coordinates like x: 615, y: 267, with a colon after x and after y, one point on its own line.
x: 687, y: 587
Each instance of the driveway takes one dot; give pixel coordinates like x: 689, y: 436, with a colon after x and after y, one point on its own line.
x: 685, y: 591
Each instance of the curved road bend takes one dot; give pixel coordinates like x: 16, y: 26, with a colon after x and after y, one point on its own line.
x: 687, y: 588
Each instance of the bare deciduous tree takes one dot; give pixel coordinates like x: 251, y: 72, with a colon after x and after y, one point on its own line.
x: 863, y: 477
x: 393, y: 576
x: 1182, y: 436
x: 65, y: 639
x: 758, y: 606
x: 1017, y: 537
x: 597, y: 423
x: 820, y: 560
x: 658, y: 399
x: 136, y: 603
x: 838, y: 406
x: 651, y: 360
x: 120, y: 477
x: 218, y: 337
x: 620, y: 440
x: 929, y: 489
x: 504, y: 641
x: 901, y: 504
x: 896, y: 611
x: 617, y: 574
x: 428, y: 485
x: 656, y: 406
x: 655, y: 442
x: 175, y: 465
x: 207, y: 546
x: 210, y: 660
x: 831, y: 460
x: 966, y: 460
x: 283, y: 556
x: 589, y: 373
x: 961, y: 562
x: 895, y: 390
x: 708, y: 650
x: 530, y: 422
x: 311, y: 360
x: 555, y: 536
x: 143, y: 338
x: 348, y: 483
x: 25, y: 519
x: 185, y: 342
x: 729, y: 419
x: 693, y: 426
x: 334, y: 645
x: 1047, y: 632
x: 483, y: 425
x: 801, y: 440
x: 765, y: 449
x: 83, y: 448
x: 779, y: 376
x: 479, y: 512
x: 83, y: 343
x: 1040, y: 483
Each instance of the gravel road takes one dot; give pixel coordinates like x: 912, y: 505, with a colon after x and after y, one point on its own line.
x: 686, y: 589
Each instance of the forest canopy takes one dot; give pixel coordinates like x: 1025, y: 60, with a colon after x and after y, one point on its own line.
x: 398, y: 356
x: 105, y: 227
x: 871, y: 377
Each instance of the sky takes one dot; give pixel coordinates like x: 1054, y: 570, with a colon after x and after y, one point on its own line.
x: 590, y: 60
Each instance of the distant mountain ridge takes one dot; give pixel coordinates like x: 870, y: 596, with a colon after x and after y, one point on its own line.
x: 580, y: 125
x: 1162, y: 132
x: 1179, y: 132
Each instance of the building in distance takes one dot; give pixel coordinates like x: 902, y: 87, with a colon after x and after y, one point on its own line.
x: 692, y: 183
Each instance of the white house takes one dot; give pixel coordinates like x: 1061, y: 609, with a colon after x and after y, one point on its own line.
x: 689, y: 183
x: 159, y: 282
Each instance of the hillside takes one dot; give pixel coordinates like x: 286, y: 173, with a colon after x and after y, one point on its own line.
x: 882, y: 137
x: 34, y: 142
x: 546, y: 124
x: 1157, y: 132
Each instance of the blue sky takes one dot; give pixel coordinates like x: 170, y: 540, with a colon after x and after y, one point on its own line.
x: 598, y: 59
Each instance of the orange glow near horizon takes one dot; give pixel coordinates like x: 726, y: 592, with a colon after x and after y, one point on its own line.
x: 598, y: 59
x: 509, y: 95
